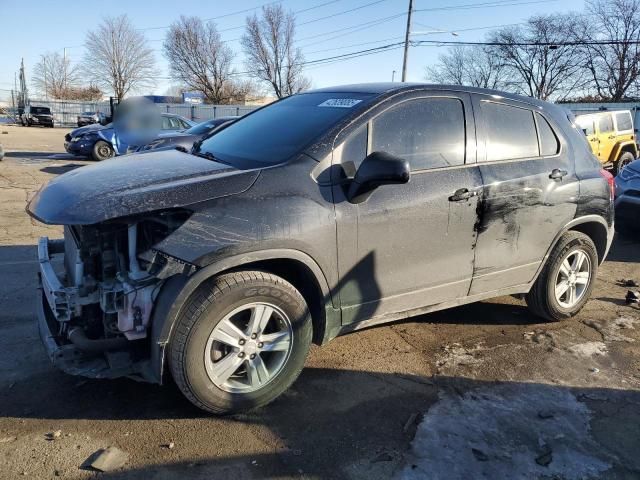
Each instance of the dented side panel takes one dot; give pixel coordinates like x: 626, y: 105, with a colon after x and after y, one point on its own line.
x: 520, y: 212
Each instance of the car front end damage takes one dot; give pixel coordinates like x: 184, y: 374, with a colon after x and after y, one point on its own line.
x: 96, y: 298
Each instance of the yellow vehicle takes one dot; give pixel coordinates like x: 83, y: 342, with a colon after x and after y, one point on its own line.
x: 611, y: 137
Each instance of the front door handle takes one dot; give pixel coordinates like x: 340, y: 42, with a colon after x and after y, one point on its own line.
x: 557, y: 174
x: 462, y: 194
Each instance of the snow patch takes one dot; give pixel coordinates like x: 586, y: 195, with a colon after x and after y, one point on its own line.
x: 515, y: 431
x: 588, y: 349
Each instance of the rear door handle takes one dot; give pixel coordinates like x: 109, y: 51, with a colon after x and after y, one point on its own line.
x: 557, y: 174
x: 462, y: 194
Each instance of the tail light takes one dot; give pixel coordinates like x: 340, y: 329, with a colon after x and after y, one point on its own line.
x: 609, y: 178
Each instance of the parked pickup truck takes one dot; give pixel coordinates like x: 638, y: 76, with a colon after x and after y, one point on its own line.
x: 611, y: 137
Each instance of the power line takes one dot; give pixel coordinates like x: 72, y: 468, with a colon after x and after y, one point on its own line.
x: 344, y: 12
x: 504, y: 3
x: 526, y: 44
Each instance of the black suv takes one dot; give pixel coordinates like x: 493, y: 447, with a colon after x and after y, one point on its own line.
x: 36, y: 116
x: 320, y: 214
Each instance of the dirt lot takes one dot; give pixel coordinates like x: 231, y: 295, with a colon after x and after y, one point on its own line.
x: 478, y: 391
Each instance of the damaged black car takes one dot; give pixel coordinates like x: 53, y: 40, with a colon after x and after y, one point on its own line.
x: 321, y: 214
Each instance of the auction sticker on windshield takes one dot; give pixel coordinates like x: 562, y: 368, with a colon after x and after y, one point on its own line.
x: 340, y: 102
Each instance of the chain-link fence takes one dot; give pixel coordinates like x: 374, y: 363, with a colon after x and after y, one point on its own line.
x: 65, y: 113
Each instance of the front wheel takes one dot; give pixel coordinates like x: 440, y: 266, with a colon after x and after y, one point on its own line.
x: 101, y: 151
x: 566, y: 281
x: 240, y: 342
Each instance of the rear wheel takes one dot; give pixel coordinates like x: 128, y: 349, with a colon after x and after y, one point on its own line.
x: 240, y: 342
x: 101, y: 151
x: 566, y: 281
x: 625, y: 159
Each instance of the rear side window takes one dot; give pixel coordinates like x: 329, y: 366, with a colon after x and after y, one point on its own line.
x: 623, y: 120
x: 427, y: 132
x: 605, y: 124
x: 511, y: 132
x: 549, y: 144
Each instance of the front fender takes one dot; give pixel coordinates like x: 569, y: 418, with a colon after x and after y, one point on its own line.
x: 177, y: 289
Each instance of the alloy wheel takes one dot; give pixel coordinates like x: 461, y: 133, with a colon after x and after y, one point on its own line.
x: 248, y: 348
x: 573, y: 278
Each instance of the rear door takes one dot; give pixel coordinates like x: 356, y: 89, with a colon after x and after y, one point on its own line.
x: 530, y: 192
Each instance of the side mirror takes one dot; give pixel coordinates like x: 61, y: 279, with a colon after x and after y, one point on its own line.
x: 378, y: 168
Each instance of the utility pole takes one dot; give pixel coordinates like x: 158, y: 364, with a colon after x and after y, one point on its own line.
x: 64, y: 82
x: 406, y: 42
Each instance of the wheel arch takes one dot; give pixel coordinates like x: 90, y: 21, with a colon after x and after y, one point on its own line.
x: 623, y: 147
x: 296, y: 267
x: 594, y: 226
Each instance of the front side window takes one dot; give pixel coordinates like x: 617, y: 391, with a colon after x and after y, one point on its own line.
x: 427, y: 132
x: 586, y: 125
x: 623, y: 120
x: 605, y: 124
x: 511, y: 132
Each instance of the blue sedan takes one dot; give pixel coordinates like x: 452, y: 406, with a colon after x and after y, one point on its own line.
x: 96, y: 141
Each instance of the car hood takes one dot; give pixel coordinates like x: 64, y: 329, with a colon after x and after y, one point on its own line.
x: 89, y: 128
x: 135, y: 184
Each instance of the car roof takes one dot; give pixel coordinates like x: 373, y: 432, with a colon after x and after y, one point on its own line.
x: 388, y: 88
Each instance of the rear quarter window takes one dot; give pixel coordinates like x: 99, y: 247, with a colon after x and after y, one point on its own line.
x: 549, y: 143
x: 623, y: 121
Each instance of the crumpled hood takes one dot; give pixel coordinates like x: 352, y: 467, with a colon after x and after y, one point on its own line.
x: 76, y: 132
x: 135, y: 184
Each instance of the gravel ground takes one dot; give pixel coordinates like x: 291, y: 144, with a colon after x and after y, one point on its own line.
x: 482, y: 390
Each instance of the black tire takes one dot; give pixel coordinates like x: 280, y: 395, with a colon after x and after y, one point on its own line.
x: 207, y: 307
x: 625, y: 159
x: 541, y: 299
x: 101, y: 151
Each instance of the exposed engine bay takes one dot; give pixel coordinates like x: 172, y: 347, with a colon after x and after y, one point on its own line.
x: 101, y: 294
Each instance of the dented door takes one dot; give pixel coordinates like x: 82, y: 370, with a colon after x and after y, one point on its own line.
x: 528, y: 194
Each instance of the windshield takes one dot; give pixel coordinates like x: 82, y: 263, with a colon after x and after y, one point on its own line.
x: 40, y: 110
x: 204, y: 127
x: 276, y: 132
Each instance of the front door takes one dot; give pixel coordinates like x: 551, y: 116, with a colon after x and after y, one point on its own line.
x: 411, y: 245
x: 606, y: 136
x: 530, y: 192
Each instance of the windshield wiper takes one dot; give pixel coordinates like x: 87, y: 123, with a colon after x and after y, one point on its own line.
x: 207, y: 155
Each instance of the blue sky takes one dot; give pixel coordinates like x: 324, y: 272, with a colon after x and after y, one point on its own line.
x: 31, y: 28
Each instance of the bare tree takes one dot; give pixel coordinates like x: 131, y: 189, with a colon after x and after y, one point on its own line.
x: 199, y: 59
x: 473, y: 66
x: 540, y: 60
x: 271, y: 56
x: 117, y: 57
x: 53, y: 75
x: 614, y: 69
